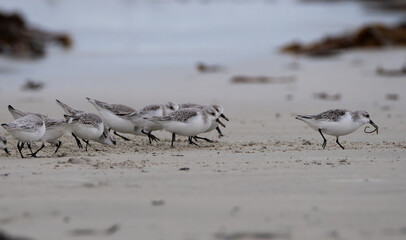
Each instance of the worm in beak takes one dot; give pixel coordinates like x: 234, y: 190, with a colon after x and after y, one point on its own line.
x: 222, y: 124
x: 373, y: 124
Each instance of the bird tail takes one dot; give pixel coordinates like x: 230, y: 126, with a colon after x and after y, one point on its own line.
x: 68, y: 110
x: 94, y: 101
x: 303, y: 117
x: 16, y: 113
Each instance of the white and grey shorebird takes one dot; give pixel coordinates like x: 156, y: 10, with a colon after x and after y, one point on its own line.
x: 27, y: 129
x: 87, y: 126
x: 215, y: 125
x: 188, y: 122
x: 3, y: 144
x: 54, y: 128
x: 112, y: 115
x: 338, y: 122
x: 139, y: 118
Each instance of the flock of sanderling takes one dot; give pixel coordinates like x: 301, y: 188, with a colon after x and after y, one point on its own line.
x: 184, y: 120
x: 188, y: 120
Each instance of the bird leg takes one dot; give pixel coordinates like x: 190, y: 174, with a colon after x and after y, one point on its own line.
x: 87, y: 143
x: 219, y: 131
x: 35, y: 153
x: 20, y: 147
x: 119, y: 135
x: 6, y: 150
x: 203, y: 138
x: 58, y: 145
x: 325, y: 140
x: 339, y: 143
x: 173, y: 139
x: 191, y: 141
x: 77, y: 141
x: 150, y: 136
x: 29, y: 147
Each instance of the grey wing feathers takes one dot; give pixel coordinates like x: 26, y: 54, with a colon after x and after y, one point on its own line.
x: 331, y: 115
x: 29, y: 122
x: 120, y: 109
x: 89, y: 119
x: 161, y: 119
x: 183, y: 115
x: 51, y: 122
x: 129, y: 115
x: 190, y: 105
x: 147, y: 109
x: 117, y: 109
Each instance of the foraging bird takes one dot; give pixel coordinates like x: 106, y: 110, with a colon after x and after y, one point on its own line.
x: 215, y: 125
x: 112, y: 116
x: 27, y: 129
x: 87, y: 126
x: 54, y: 128
x: 338, y: 122
x: 187, y: 122
x: 139, y: 118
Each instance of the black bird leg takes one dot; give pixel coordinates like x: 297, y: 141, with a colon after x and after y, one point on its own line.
x: 153, y: 137
x: 87, y: 143
x: 173, y: 139
x: 77, y: 141
x: 29, y: 147
x: 191, y: 141
x: 219, y: 131
x: 6, y: 150
x: 58, y: 145
x: 339, y: 143
x: 325, y: 140
x: 150, y: 136
x: 203, y: 138
x: 126, y: 139
x: 35, y: 153
x: 20, y: 147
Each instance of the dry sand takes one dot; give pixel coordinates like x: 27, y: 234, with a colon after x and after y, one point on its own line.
x: 268, y: 178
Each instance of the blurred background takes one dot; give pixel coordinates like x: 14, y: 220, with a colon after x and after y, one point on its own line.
x: 149, y: 51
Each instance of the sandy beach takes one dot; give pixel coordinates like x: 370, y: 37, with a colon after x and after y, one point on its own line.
x: 267, y: 178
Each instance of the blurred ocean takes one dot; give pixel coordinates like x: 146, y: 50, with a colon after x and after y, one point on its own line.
x: 149, y: 41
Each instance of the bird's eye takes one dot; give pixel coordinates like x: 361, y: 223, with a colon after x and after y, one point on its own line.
x: 367, y: 115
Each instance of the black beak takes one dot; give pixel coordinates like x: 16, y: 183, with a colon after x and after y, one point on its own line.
x: 222, y: 124
x: 6, y: 150
x: 224, y: 116
x: 373, y: 124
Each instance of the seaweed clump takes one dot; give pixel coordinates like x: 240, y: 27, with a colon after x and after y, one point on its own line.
x: 19, y: 40
x: 369, y: 36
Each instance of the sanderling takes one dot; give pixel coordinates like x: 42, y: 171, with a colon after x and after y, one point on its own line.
x: 3, y: 144
x: 112, y: 116
x: 139, y: 118
x: 54, y: 128
x: 27, y: 129
x: 215, y: 125
x: 87, y: 126
x: 188, y: 122
x: 338, y: 123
